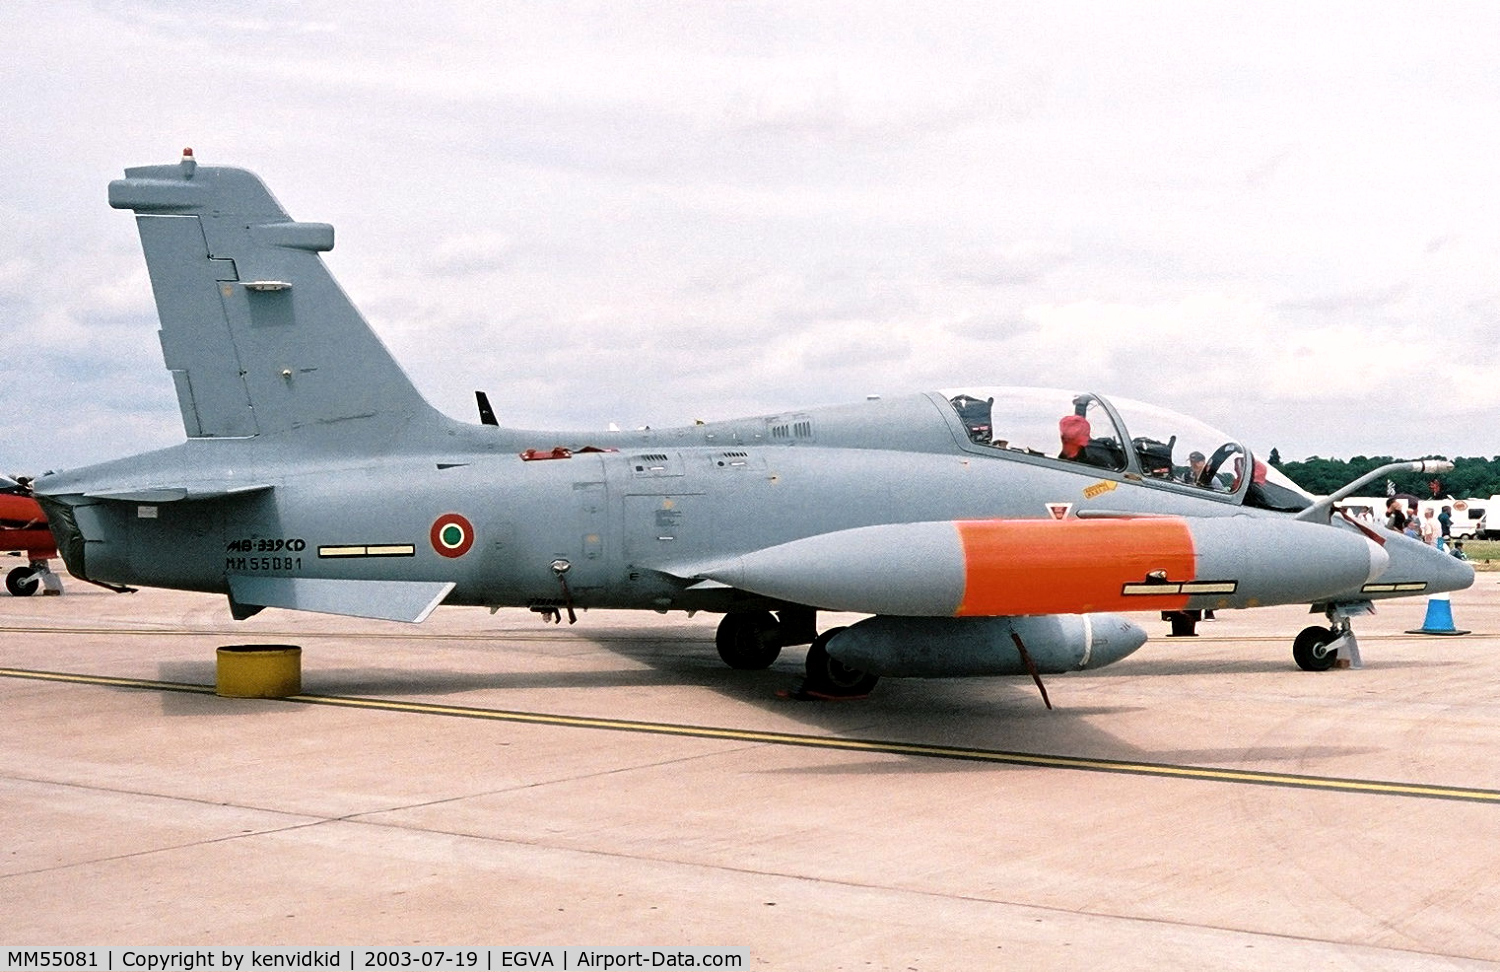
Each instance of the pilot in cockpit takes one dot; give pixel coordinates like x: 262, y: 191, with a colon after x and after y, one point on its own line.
x: 1196, y: 464
x: 1075, y: 431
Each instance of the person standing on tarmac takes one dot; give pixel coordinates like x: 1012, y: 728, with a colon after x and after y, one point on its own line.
x: 1395, y: 516
x: 1427, y: 529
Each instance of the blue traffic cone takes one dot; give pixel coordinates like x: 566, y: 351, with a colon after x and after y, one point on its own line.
x: 1439, y: 620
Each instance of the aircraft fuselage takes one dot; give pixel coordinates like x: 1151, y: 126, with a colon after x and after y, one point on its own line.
x: 632, y: 522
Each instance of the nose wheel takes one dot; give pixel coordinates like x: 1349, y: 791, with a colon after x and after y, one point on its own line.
x: 23, y: 581
x: 34, y: 578
x: 1317, y: 649
x: 1314, y: 649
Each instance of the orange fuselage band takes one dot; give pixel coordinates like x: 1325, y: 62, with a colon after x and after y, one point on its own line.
x: 1071, y: 566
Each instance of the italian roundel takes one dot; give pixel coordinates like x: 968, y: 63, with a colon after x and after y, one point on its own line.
x: 452, y: 535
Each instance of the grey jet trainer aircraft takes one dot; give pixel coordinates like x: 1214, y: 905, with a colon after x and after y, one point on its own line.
x: 983, y: 530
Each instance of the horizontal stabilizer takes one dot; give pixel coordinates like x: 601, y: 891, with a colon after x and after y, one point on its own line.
x: 387, y: 600
x: 177, y: 494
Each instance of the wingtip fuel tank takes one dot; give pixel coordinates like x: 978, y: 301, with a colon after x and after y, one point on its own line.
x: 992, y: 568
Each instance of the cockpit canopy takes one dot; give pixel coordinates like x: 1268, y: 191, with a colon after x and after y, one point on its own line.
x: 1156, y: 444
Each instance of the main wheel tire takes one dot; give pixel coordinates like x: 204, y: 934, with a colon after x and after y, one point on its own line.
x: 827, y: 675
x: 749, y: 640
x: 1308, y: 649
x: 23, y: 581
x: 1184, y: 623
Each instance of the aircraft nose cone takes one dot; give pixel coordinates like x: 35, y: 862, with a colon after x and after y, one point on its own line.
x: 1112, y: 638
x: 1412, y: 561
x: 1447, y: 572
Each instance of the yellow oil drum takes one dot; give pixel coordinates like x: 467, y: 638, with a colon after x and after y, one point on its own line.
x: 259, y: 671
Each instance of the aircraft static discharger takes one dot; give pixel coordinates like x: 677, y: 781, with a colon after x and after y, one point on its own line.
x: 986, y: 531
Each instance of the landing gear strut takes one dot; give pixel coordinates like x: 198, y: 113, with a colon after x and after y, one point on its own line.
x: 37, y: 576
x: 1317, y: 648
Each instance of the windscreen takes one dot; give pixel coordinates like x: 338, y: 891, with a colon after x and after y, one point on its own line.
x: 1047, y: 422
x: 1165, y: 446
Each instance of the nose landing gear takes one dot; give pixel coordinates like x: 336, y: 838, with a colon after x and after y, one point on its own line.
x: 31, y: 579
x: 1317, y: 649
x: 1311, y: 649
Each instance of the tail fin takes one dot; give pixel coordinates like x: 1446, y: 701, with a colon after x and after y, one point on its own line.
x: 259, y: 337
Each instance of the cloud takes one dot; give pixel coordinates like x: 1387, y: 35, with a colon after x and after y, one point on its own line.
x: 469, y: 253
x: 1010, y: 265
x: 1371, y: 299
x: 655, y: 212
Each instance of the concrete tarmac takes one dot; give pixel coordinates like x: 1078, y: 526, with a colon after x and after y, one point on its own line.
x: 516, y: 789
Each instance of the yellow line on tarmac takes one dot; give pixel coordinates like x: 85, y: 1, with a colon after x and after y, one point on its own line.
x: 486, y: 636
x: 1168, y: 770
x: 138, y: 683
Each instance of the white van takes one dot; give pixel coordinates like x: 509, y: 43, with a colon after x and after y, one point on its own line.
x: 1470, y: 516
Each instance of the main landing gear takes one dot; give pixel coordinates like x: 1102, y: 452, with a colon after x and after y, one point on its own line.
x: 751, y: 640
x: 827, y: 677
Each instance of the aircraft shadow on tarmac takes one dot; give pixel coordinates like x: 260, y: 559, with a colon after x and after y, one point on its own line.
x: 1180, y: 664
x: 980, y: 713
x: 1001, y: 713
x: 1274, y: 754
x: 995, y: 713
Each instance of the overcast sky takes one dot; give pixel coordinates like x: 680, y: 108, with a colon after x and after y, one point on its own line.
x: 1284, y: 221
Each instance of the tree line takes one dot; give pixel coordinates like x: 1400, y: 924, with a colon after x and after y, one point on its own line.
x: 1472, y: 477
